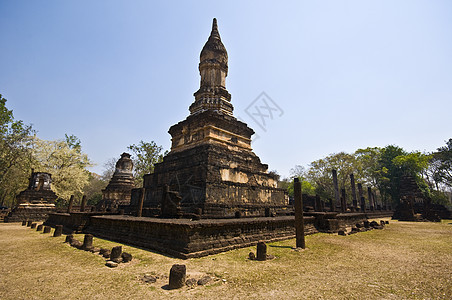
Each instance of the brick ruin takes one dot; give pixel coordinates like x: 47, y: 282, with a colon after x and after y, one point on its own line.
x: 415, y: 206
x: 35, y: 202
x: 211, y: 193
x: 211, y: 169
x: 118, y: 190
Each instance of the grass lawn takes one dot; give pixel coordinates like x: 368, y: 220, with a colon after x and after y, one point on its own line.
x: 406, y: 260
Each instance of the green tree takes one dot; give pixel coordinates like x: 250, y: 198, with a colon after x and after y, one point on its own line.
x: 299, y: 172
x: 145, y: 156
x: 93, y: 190
x: 367, y: 165
x: 15, y: 154
x: 389, y: 172
x: 67, y: 164
x: 320, y: 175
x: 443, y: 157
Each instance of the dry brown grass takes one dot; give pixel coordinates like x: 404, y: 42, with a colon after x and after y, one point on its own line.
x: 406, y: 260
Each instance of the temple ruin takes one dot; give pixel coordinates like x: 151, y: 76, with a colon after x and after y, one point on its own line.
x: 211, y: 165
x: 35, y: 202
x: 211, y: 193
x: 118, y: 190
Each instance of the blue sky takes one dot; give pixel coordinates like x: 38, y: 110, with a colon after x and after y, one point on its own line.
x: 345, y: 74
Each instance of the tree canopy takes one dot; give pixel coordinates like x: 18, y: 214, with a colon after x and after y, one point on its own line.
x: 15, y: 154
x: 381, y: 169
x: 145, y: 156
x: 65, y: 161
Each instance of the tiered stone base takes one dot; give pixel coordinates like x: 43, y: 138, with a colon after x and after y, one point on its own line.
x: 72, y: 222
x: 30, y: 212
x: 188, y: 239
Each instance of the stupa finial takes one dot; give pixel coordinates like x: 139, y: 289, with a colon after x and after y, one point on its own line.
x: 215, y: 32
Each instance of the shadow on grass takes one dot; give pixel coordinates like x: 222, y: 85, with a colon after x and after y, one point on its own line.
x: 166, y: 287
x: 276, y: 246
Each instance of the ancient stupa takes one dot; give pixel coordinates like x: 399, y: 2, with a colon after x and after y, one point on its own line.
x: 118, y: 190
x: 35, y: 202
x: 211, y: 168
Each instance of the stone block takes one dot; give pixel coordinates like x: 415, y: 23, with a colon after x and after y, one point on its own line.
x: 115, y: 254
x: 69, y: 238
x: 177, y: 276
x: 261, y: 251
x: 58, y: 230
x: 88, y: 242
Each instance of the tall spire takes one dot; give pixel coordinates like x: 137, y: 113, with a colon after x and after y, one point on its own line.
x: 215, y: 32
x: 213, y: 68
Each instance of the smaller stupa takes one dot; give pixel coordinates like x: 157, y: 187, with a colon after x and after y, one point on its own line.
x: 36, y: 202
x: 119, y: 188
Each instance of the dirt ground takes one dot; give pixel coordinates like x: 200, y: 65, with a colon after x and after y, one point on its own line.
x: 406, y: 260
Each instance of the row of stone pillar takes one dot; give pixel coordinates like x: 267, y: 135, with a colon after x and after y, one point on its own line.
x: 342, y: 199
x: 45, y: 229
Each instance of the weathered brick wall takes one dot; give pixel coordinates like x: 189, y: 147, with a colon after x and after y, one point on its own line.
x: 187, y: 239
x: 75, y: 221
x: 31, y: 213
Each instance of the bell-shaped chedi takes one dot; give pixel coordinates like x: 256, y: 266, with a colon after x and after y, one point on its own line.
x: 211, y: 164
x: 37, y: 201
x: 119, y: 188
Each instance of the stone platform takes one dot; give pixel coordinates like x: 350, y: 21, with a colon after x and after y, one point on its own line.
x: 30, y: 212
x: 185, y: 238
x: 72, y: 222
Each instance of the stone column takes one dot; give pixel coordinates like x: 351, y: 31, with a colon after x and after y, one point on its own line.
x: 115, y: 254
x: 336, y: 190
x: 69, y: 238
x: 318, y: 205
x: 58, y: 230
x: 140, y: 203
x: 83, y: 204
x: 343, y: 201
x: 88, y: 242
x: 361, y: 197
x: 299, y: 222
x: 71, y: 201
x: 369, y: 195
x: 261, y: 253
x: 355, y: 201
x: 377, y: 204
x: 177, y: 276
